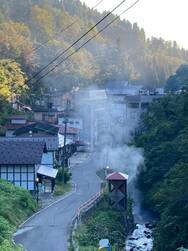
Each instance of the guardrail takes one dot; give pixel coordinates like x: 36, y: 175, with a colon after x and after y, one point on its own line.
x: 83, y: 209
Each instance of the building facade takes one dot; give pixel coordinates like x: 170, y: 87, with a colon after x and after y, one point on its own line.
x: 19, y: 162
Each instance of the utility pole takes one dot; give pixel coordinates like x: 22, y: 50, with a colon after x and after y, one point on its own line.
x: 65, y: 138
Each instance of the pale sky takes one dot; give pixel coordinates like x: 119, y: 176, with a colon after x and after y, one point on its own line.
x: 159, y: 18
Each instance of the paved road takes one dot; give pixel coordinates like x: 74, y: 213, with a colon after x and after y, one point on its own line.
x: 49, y: 230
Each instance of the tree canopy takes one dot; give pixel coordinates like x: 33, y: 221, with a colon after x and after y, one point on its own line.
x: 12, y: 80
x: 179, y: 80
x: 121, y: 52
x: 164, y: 178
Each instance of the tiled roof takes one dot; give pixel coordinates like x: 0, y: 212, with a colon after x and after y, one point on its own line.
x: 16, y: 126
x: 70, y: 130
x: 44, y: 109
x: 38, y: 126
x: 117, y: 176
x: 17, y: 117
x: 52, y: 143
x: 15, y: 152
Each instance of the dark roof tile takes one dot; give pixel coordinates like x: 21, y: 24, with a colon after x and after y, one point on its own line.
x: 38, y: 126
x: 15, y: 153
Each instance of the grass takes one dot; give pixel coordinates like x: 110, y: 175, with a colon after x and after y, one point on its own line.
x: 61, y: 189
x: 16, y: 204
x: 104, y: 222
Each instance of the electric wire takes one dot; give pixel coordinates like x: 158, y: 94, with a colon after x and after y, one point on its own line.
x: 94, y: 7
x: 63, y: 30
x: 74, y: 43
x: 104, y: 28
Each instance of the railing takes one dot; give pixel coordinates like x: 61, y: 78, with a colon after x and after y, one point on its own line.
x: 81, y: 211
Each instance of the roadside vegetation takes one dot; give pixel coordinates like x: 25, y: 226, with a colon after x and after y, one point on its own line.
x: 62, y: 187
x: 164, y: 136
x: 103, y: 222
x: 16, y: 204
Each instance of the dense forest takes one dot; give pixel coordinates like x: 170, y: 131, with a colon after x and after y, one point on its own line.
x: 178, y: 81
x: 32, y: 32
x: 163, y: 134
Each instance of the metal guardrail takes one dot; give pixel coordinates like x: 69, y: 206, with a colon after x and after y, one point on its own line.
x: 84, y: 208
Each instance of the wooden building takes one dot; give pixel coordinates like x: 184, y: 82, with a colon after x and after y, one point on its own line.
x: 117, y: 184
x: 19, y: 162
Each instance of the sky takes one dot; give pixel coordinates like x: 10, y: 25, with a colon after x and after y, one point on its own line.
x: 159, y: 18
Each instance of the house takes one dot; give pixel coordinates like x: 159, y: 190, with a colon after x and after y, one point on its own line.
x: 74, y: 121
x: 48, y: 133
x: 46, y: 114
x: 74, y: 125
x: 71, y: 133
x: 21, y: 163
x: 121, y: 88
x: 15, y: 122
x: 40, y: 131
x: 17, y: 105
x: 137, y: 104
x: 90, y: 105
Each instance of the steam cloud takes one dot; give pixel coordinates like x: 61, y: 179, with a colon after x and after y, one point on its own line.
x: 114, y: 131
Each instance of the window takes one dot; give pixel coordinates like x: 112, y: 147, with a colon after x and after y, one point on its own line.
x: 133, y: 105
x: 23, y: 175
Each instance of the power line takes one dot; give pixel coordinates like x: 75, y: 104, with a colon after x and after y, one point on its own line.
x: 105, y: 27
x: 47, y: 41
x: 80, y: 38
x: 94, y: 7
x: 63, y: 30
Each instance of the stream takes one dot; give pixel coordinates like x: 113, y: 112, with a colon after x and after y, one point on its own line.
x: 141, y: 238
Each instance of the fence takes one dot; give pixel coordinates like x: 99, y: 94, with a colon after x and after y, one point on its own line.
x: 81, y: 212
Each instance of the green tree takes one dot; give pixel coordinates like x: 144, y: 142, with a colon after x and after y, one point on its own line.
x: 163, y: 135
x: 12, y: 80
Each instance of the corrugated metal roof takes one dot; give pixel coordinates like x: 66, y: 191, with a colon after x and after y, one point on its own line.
x: 47, y: 171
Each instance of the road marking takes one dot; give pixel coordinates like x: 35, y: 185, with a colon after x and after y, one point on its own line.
x: 23, y: 230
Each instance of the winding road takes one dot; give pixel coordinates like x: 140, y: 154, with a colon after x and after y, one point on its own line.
x: 49, y: 230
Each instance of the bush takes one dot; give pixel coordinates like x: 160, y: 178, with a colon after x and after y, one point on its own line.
x: 66, y: 173
x: 8, y: 246
x: 104, y: 223
x: 5, y: 229
x: 16, y: 204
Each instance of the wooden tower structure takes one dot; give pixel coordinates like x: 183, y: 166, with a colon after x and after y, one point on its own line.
x: 117, y: 186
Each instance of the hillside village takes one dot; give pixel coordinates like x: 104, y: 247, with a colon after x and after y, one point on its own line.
x: 93, y: 130
x: 64, y: 127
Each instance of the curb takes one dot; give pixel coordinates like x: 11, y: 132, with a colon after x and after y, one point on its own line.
x: 45, y: 208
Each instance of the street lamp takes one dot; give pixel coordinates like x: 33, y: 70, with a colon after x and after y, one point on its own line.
x: 106, y: 170
x: 37, y: 186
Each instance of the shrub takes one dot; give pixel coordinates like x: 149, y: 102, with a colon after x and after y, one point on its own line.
x: 65, y: 172
x: 16, y: 204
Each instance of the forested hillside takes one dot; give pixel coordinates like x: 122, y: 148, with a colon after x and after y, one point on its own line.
x: 164, y: 178
x: 121, y: 52
x: 179, y: 80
